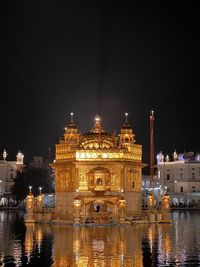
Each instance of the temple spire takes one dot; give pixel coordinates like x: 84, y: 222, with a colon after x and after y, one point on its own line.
x: 97, y: 125
x: 72, y: 117
x: 71, y: 135
x: 71, y: 125
x: 5, y: 154
x: 126, y: 117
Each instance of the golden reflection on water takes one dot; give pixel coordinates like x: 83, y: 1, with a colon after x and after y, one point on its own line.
x: 29, y: 239
x: 99, y: 246
x: 176, y: 244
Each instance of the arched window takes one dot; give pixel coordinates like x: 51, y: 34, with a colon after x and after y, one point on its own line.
x: 181, y: 189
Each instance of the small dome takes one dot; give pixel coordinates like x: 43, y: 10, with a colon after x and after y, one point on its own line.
x: 126, y: 125
x: 71, y: 124
x: 97, y: 138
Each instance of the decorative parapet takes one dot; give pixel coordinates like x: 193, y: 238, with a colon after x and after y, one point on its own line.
x: 108, y: 155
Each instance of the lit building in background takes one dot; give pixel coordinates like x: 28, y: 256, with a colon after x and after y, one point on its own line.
x: 97, y: 174
x: 146, y: 188
x: 8, y: 172
x: 180, y: 177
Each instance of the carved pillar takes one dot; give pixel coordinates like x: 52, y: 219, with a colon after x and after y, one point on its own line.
x: 122, y: 209
x: 30, y: 206
x: 77, y: 209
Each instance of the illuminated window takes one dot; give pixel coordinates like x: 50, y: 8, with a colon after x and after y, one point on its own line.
x: 181, y: 189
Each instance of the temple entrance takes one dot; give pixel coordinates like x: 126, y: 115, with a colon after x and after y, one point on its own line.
x: 100, y: 210
x: 97, y: 207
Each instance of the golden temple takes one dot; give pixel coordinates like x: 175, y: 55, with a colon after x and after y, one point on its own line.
x: 97, y: 175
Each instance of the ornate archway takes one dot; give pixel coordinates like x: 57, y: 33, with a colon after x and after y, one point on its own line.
x: 104, y: 209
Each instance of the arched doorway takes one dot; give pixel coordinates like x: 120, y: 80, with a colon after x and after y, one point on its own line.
x: 99, y: 210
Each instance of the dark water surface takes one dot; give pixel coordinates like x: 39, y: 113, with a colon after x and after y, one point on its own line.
x: 176, y: 244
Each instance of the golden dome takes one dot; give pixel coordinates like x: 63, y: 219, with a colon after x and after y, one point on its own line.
x: 127, y: 125
x: 97, y: 138
x: 71, y: 125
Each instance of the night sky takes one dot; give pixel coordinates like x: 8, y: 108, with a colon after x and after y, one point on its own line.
x: 85, y: 57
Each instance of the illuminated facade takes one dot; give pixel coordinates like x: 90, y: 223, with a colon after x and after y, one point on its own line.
x: 180, y: 176
x: 97, y: 175
x: 8, y: 172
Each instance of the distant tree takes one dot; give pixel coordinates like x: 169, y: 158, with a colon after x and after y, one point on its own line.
x: 18, y: 186
x: 32, y: 177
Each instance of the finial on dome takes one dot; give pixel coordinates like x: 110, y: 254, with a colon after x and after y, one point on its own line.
x: 97, y: 119
x: 20, y: 157
x: 97, y: 126
x: 126, y: 125
x: 126, y: 116
x: 152, y: 114
x: 5, y: 154
x: 72, y: 116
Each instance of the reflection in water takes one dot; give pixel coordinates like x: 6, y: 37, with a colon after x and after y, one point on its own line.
x: 97, y: 246
x: 137, y: 245
x: 29, y: 240
x: 10, y: 250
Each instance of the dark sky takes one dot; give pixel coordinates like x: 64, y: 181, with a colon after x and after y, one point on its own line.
x: 59, y: 57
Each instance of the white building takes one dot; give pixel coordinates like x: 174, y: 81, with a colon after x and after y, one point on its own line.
x: 8, y: 172
x: 180, y: 177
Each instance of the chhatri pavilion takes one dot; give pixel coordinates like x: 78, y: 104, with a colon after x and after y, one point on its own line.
x: 97, y: 175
